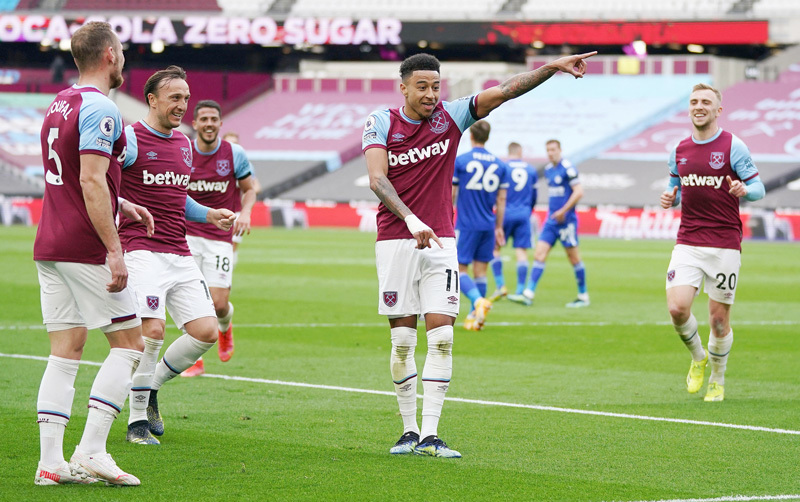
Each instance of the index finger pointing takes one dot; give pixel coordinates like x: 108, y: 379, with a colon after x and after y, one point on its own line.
x: 587, y: 54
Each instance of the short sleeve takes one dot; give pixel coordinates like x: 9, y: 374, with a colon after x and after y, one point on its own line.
x: 741, y: 161
x: 132, y: 147
x: 100, y: 124
x: 571, y: 172
x: 462, y: 111
x: 376, y: 130
x: 242, y: 168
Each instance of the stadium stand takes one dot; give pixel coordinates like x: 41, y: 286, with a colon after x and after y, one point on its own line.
x: 146, y: 5
x: 411, y: 9
x: 626, y: 9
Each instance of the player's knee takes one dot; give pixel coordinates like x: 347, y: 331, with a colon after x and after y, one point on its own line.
x: 404, y: 337
x: 679, y: 313
x: 203, y: 329
x: 440, y: 340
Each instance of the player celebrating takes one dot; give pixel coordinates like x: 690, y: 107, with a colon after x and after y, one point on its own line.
x: 410, y: 153
x: 217, y: 166
x: 479, y: 183
x: 80, y: 264
x: 564, y: 190
x: 517, y: 223
x: 709, y: 172
x: 165, y: 276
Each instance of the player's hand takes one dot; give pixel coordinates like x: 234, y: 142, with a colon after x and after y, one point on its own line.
x: 668, y: 198
x: 499, y: 237
x: 421, y: 232
x: 575, y: 65
x: 223, y: 219
x: 559, y: 216
x: 119, y: 272
x: 135, y: 212
x: 242, y: 225
x: 738, y: 189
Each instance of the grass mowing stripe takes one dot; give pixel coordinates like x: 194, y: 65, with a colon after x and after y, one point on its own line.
x: 481, y: 402
x: 733, y: 498
x: 499, y: 323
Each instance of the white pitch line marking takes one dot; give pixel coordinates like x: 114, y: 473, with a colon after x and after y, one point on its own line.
x: 733, y: 498
x: 37, y: 327
x: 754, y: 428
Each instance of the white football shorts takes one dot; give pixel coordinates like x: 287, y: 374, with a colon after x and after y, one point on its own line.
x: 415, y: 281
x: 74, y: 295
x: 691, y: 265
x: 166, y: 281
x: 214, y: 258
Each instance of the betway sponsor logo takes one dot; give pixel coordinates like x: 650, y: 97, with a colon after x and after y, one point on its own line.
x: 167, y: 178
x: 694, y: 180
x: 415, y: 155
x: 209, y: 186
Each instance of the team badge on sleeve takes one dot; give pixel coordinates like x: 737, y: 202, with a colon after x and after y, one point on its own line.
x: 717, y: 160
x: 107, y: 126
x: 223, y: 167
x: 152, y: 302
x: 370, y: 123
x: 390, y: 298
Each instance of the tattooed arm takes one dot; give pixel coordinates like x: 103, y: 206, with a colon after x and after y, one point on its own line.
x: 378, y: 168
x: 519, y: 84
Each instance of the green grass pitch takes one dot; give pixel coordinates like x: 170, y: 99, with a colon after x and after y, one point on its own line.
x: 306, y: 312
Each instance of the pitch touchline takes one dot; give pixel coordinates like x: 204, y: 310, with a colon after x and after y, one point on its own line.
x: 36, y: 327
x: 470, y: 401
x: 733, y: 498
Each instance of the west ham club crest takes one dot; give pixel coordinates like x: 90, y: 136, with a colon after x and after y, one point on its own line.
x: 187, y: 156
x: 223, y: 167
x: 717, y: 160
x: 438, y: 122
x: 670, y: 275
x: 152, y: 302
x: 390, y: 298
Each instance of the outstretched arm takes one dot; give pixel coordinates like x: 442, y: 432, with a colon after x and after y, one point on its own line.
x: 519, y: 84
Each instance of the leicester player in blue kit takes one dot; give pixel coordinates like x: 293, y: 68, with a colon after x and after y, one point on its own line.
x: 520, y: 200
x: 564, y: 189
x: 479, y: 185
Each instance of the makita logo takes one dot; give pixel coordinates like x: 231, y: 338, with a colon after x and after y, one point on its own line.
x: 417, y: 154
x: 209, y: 186
x: 694, y: 180
x: 167, y: 178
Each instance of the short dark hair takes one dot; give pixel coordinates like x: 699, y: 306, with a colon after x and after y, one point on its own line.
x: 554, y: 141
x: 90, y: 42
x: 514, y: 147
x: 207, y: 103
x: 418, y: 62
x: 161, y: 78
x: 480, y: 131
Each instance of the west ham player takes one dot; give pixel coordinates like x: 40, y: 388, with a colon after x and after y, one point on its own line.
x: 79, y: 260
x: 479, y: 184
x: 233, y: 138
x: 564, y: 190
x: 217, y: 166
x: 410, y: 153
x: 709, y: 172
x: 163, y: 273
x: 517, y: 223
